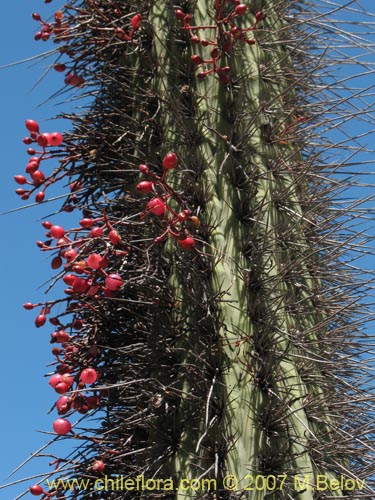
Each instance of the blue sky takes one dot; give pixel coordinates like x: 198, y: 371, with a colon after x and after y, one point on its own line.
x: 26, y: 395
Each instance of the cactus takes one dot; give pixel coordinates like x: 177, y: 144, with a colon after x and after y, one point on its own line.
x: 210, y: 329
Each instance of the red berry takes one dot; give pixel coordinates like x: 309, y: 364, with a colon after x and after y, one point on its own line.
x: 62, y: 426
x: 20, y: 179
x: 96, y: 232
x: 187, y: 243
x: 67, y: 378
x: 61, y: 387
x: 144, y: 169
x: 39, y: 197
x: 86, y: 223
x: 36, y: 490
x: 63, y: 405
x: 89, y: 376
x: 156, y: 206
x: 56, y: 262
x: 94, y: 261
x: 80, y: 285
x: 55, y: 379
x: 36, y: 16
x: 113, y: 282
x: 70, y: 254
x: 59, y: 67
x: 32, y: 126
x: 32, y: 166
x: 93, y: 402
x: 179, y: 14
x: 98, y: 466
x: 57, y: 232
x: 28, y: 306
x: 40, y: 320
x: 114, y: 237
x: 144, y: 187
x: 27, y: 140
x: 241, y: 9
x: 136, y: 21
x: 42, y: 140
x: 38, y: 177
x: 195, y: 59
x: 46, y: 224
x: 170, y: 161
x: 55, y: 139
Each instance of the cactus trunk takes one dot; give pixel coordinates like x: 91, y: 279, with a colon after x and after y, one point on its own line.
x: 224, y: 361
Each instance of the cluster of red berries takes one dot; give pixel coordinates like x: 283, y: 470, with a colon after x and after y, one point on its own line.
x: 161, y: 191
x: 61, y: 31
x: 37, y: 177
x: 227, y: 32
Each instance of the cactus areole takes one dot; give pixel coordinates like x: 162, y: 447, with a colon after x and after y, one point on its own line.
x: 210, y: 327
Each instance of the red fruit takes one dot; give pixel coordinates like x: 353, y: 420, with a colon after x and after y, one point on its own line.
x: 38, y: 177
x: 62, y: 426
x: 195, y: 59
x: 86, y: 223
x: 144, y: 169
x: 46, y: 224
x: 241, y: 9
x: 259, y: 16
x: 74, y: 80
x: 28, y: 306
x: 187, y: 243
x: 32, y: 166
x: 30, y: 151
x: 179, y: 14
x: 69, y: 279
x: 57, y: 232
x: 61, y: 388
x: 93, y: 402
x: 89, y: 376
x: 144, y: 187
x: 55, y: 139
x: 70, y: 254
x: 114, y: 237
x: 156, y: 206
x: 20, y: 179
x: 39, y: 197
x: 62, y: 336
x: 98, y: 466
x: 94, y: 261
x: 113, y: 282
x: 96, y: 232
x: 56, y: 262
x: 40, y: 320
x: 42, y: 140
x: 67, y: 378
x: 32, y: 126
x: 20, y: 192
x: 80, y: 285
x: 27, y: 140
x: 63, y: 405
x: 36, y: 490
x: 170, y: 161
x: 36, y: 16
x: 136, y: 21
x: 59, y: 67
x: 54, y: 380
